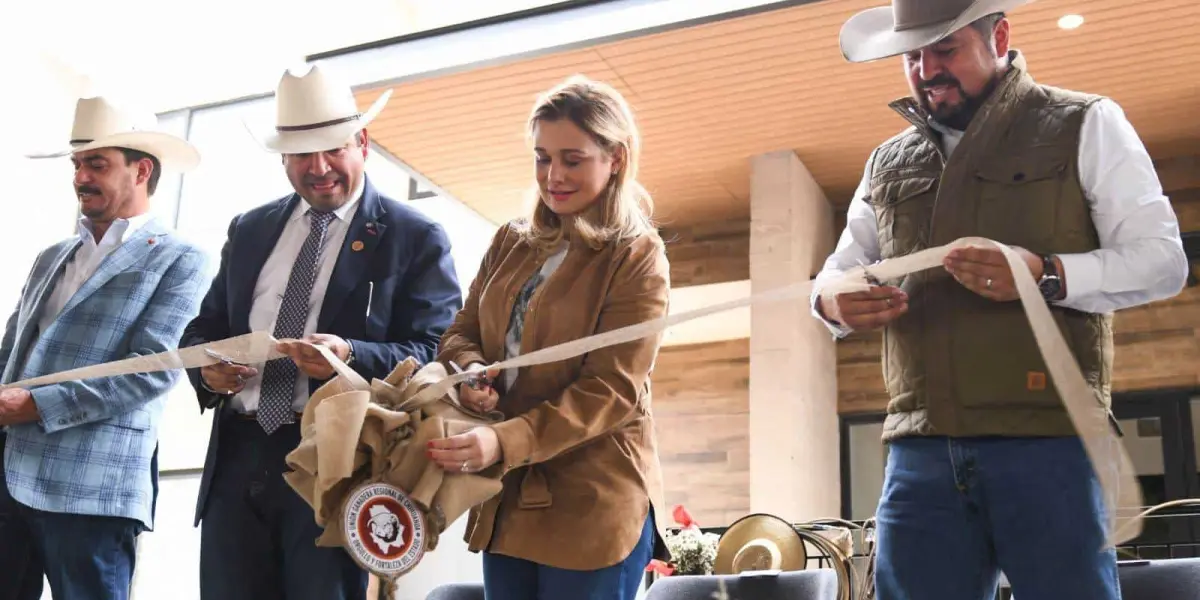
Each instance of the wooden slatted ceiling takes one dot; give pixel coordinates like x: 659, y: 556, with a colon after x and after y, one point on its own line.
x: 711, y: 96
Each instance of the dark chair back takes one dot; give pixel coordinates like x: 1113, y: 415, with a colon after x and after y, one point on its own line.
x: 1160, y: 579
x: 810, y: 584
x: 457, y: 591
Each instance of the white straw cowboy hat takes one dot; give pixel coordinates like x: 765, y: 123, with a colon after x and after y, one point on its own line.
x: 315, y: 112
x: 907, y: 25
x: 100, y: 123
x: 760, y: 542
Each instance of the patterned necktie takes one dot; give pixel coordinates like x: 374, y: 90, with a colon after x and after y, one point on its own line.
x: 279, y: 376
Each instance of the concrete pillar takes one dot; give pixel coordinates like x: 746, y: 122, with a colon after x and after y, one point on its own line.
x: 794, y: 462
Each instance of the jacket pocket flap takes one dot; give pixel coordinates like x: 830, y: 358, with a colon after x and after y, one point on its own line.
x: 138, y: 420
x: 1021, y: 170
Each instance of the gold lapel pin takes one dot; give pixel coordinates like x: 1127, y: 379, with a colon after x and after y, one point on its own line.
x: 357, y: 245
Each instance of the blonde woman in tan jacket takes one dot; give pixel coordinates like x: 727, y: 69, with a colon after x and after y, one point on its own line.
x: 577, y: 452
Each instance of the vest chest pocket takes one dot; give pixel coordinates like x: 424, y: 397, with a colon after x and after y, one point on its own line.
x: 903, y: 209
x: 1018, y: 200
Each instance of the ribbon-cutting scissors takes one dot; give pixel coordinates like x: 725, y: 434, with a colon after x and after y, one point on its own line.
x: 871, y: 279
x: 225, y: 359
x: 477, y: 381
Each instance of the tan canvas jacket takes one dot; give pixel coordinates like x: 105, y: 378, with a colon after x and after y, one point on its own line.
x: 580, y: 465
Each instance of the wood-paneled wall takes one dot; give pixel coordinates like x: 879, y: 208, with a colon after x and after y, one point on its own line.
x: 701, y: 397
x: 707, y: 253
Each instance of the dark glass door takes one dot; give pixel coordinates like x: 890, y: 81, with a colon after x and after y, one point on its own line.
x: 1157, y: 432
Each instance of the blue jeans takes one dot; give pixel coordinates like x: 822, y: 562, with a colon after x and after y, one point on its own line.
x: 508, y: 578
x: 956, y: 512
x: 83, y: 556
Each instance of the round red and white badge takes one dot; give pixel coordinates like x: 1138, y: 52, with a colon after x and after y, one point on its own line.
x: 385, y: 530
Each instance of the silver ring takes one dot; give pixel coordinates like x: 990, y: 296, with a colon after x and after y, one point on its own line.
x: 464, y: 466
x: 988, y: 285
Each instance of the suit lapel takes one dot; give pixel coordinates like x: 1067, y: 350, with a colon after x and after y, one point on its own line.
x: 354, y: 256
x: 51, y: 275
x: 37, y: 300
x: 131, y: 252
x: 253, y: 256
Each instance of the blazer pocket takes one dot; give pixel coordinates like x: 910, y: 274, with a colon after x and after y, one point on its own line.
x: 376, y: 299
x: 138, y: 420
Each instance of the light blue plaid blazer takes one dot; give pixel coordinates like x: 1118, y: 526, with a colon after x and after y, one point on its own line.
x: 91, y: 451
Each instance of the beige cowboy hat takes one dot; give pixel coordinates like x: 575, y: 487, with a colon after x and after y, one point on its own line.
x: 907, y: 25
x: 100, y: 123
x: 760, y: 542
x: 315, y: 112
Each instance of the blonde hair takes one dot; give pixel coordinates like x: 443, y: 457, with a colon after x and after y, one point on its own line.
x: 624, y: 207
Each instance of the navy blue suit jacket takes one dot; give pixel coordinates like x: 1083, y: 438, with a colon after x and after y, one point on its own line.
x: 404, y: 270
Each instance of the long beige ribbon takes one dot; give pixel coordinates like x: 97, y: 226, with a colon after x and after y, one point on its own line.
x: 1108, y: 455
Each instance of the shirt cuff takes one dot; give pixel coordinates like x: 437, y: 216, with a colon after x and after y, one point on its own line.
x: 839, y: 331
x: 1081, y: 273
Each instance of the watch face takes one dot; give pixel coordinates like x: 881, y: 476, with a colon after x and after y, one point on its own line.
x: 1050, y: 287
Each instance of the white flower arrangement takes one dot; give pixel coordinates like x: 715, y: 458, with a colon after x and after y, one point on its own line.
x: 692, y: 551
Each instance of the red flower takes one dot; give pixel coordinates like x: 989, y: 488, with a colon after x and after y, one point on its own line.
x: 660, y: 567
x: 683, y: 518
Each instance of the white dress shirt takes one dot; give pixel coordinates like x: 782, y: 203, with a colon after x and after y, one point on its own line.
x: 272, y: 283
x: 1141, y: 257
x: 83, y: 264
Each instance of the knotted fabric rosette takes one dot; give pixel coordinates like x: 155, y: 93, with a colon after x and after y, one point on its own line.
x: 362, y: 465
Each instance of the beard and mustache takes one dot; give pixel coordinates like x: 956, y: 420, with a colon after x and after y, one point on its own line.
x: 955, y: 116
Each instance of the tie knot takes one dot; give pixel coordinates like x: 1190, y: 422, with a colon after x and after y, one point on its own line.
x: 319, y: 218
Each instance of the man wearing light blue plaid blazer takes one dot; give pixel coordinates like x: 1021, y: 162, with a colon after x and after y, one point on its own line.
x: 79, y: 478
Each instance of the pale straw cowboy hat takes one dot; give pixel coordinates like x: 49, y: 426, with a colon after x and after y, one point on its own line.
x: 315, y: 112
x: 100, y: 123
x: 907, y: 25
x: 760, y: 542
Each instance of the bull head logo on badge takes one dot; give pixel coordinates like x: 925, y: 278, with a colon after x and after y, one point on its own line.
x: 385, y: 531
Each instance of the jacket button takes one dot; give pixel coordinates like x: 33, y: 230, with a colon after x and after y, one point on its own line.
x: 62, y: 421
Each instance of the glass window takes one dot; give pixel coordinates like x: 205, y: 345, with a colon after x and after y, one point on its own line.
x: 470, y: 234
x: 1144, y: 442
x: 165, y: 202
x: 868, y: 455
x: 1195, y: 413
x: 235, y: 174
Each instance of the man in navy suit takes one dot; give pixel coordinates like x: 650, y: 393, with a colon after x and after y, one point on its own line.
x: 336, y: 264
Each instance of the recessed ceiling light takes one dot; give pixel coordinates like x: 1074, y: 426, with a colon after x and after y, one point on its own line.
x: 1070, y: 21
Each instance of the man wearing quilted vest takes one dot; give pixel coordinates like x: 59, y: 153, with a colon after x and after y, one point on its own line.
x: 985, y: 472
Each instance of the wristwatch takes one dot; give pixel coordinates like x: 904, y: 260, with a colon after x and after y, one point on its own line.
x: 1051, y: 283
x: 350, y: 354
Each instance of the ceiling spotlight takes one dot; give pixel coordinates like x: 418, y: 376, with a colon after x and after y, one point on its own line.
x: 1070, y: 21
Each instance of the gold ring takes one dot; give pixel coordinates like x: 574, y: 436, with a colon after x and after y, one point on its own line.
x: 989, y: 283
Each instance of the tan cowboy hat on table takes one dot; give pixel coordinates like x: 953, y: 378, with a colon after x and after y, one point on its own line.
x: 315, y: 112
x: 760, y: 542
x: 100, y: 123
x: 907, y: 25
